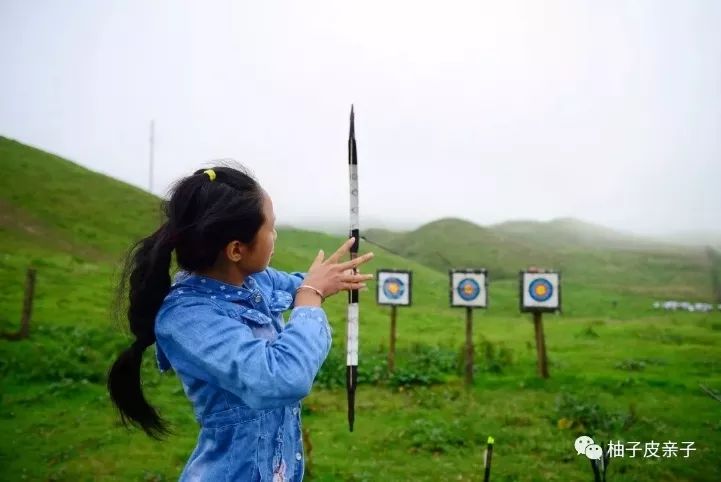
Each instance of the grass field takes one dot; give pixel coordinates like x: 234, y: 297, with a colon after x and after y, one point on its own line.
x: 619, y: 370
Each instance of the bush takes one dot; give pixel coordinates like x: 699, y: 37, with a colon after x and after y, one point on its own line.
x: 420, y: 365
x: 56, y: 353
x: 438, y: 437
x: 588, y: 417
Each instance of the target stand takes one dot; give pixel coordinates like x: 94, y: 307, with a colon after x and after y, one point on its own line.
x: 468, y: 289
x: 540, y: 292
x: 393, y: 289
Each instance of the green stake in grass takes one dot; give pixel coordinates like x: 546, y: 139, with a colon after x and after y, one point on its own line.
x: 487, y: 459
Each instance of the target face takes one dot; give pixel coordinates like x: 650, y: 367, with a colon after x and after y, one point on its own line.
x: 394, y: 287
x: 469, y: 288
x: 540, y: 291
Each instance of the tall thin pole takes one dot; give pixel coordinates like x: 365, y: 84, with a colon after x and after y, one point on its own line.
x: 352, y: 327
x: 152, y: 155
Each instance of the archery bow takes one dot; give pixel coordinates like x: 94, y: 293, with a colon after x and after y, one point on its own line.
x: 352, y: 336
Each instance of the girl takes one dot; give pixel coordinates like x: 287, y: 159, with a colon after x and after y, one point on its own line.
x: 220, y: 327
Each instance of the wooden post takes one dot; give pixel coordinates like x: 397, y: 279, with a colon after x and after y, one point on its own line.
x: 24, y: 331
x: 28, y: 303
x: 469, y: 346
x: 540, y: 344
x: 392, y: 349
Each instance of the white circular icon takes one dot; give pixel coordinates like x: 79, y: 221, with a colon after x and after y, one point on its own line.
x: 581, y: 443
x: 594, y: 452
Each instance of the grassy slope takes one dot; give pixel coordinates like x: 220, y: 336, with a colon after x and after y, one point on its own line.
x: 589, y: 255
x: 73, y: 225
x: 571, y: 232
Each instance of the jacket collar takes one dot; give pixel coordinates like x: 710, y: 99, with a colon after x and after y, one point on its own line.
x: 185, y: 282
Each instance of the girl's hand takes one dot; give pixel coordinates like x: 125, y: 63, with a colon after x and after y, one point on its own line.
x: 329, y: 276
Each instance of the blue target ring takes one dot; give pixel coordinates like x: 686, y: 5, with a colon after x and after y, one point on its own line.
x: 468, y: 289
x: 540, y: 289
x: 393, y: 288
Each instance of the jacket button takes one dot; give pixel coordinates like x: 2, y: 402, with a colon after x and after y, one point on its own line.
x: 298, y: 456
x: 257, y: 299
x: 295, y: 410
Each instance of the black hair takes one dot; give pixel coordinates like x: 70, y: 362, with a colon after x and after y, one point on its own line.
x: 202, y: 215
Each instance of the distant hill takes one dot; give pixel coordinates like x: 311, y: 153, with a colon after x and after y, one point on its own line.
x: 455, y: 242
x: 585, y: 253
x: 696, y: 238
x: 573, y: 232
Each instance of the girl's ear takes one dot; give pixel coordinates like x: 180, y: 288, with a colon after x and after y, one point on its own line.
x: 235, y: 251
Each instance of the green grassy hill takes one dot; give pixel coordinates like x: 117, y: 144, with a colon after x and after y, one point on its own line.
x: 52, y: 200
x: 454, y: 242
x: 589, y: 255
x: 618, y: 370
x: 573, y: 232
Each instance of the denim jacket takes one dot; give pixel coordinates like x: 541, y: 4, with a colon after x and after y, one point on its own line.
x: 244, y: 370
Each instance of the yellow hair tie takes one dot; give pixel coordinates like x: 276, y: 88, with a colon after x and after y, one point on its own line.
x: 211, y: 174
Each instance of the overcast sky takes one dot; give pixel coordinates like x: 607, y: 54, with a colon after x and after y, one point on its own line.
x: 608, y: 111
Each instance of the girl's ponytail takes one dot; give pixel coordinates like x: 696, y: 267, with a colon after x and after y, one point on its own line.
x: 147, y: 273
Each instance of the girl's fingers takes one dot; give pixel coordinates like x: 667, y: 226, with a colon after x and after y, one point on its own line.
x: 353, y: 263
x: 353, y: 286
x: 345, y: 247
x: 357, y: 278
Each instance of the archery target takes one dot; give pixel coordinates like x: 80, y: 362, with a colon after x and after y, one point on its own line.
x: 394, y: 287
x: 540, y: 292
x: 469, y: 288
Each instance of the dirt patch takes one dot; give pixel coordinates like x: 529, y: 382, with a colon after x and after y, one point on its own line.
x: 19, y: 220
